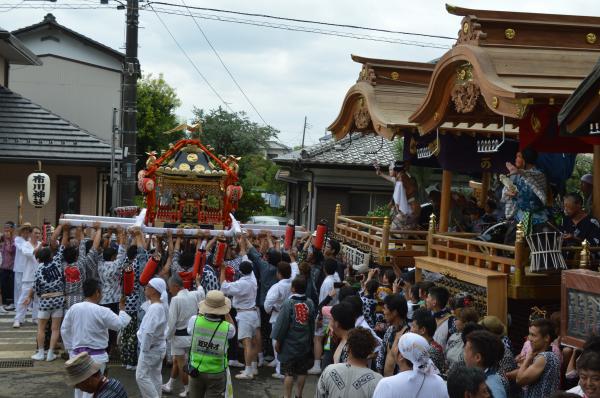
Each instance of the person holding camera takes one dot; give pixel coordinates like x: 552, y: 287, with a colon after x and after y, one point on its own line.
x: 210, y: 331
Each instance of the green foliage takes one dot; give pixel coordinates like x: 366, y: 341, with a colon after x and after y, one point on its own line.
x: 232, y: 133
x: 583, y: 165
x: 379, y: 211
x: 258, y: 173
x: 251, y: 204
x: 156, y: 102
x: 398, y: 148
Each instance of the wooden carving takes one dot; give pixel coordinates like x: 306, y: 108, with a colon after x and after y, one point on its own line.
x: 465, y: 96
x: 368, y: 75
x: 362, y: 119
x: 470, y: 31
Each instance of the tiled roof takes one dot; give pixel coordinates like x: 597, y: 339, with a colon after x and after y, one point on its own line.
x: 353, y: 150
x: 30, y: 132
x: 16, y: 52
x: 50, y: 21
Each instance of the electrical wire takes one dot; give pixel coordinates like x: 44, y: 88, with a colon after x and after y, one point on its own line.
x: 306, y: 29
x: 12, y: 7
x: 225, y: 66
x: 191, y: 61
x: 248, y: 14
x: 281, y: 26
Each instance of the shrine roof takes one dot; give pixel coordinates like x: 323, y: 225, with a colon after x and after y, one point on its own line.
x: 503, y: 62
x: 583, y: 106
x: 386, y: 94
x: 30, y: 132
x: 354, y: 150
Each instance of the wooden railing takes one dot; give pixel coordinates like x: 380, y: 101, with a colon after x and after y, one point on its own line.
x: 374, y: 234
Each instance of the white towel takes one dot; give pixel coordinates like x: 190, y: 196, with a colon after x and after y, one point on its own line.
x: 400, y: 199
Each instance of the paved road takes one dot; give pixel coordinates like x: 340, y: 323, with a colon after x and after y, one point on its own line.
x: 46, y: 379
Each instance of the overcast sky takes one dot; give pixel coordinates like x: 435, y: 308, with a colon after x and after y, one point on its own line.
x: 287, y: 75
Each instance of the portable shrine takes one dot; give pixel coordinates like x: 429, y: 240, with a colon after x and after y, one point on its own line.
x: 189, y: 186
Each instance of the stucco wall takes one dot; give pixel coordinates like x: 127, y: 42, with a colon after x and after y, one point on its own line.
x: 13, y: 179
x: 82, y: 94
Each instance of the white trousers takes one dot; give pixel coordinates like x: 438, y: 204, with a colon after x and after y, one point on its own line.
x: 278, y: 366
x: 17, y: 287
x: 21, y: 310
x: 80, y: 394
x: 148, y: 373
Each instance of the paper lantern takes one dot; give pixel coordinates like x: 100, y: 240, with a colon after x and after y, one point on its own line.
x: 234, y: 193
x: 38, y: 189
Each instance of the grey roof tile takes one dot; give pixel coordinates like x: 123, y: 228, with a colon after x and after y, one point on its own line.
x: 353, y: 150
x: 28, y: 131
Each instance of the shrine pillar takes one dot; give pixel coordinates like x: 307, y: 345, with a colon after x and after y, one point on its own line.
x: 596, y: 187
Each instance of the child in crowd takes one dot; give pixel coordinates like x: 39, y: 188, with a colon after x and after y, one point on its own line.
x: 413, y: 301
x: 367, y: 295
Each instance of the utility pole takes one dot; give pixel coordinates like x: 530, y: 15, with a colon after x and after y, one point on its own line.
x: 303, y: 132
x: 114, y: 191
x: 131, y: 71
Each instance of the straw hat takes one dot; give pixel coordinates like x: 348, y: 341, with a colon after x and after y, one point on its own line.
x: 215, y: 303
x: 80, y: 368
x: 494, y: 325
x: 24, y: 225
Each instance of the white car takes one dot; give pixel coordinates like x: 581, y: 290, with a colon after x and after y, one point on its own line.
x: 267, y: 220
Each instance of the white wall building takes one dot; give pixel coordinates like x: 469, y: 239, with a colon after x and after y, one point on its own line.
x: 80, y: 78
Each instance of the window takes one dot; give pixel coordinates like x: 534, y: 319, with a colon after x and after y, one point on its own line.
x: 68, y: 200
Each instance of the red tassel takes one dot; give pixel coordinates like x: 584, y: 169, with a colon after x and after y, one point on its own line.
x: 199, y: 262
x: 149, y: 271
x: 320, y: 238
x: 220, y: 255
x: 229, y: 273
x: 290, y: 230
x: 128, y: 280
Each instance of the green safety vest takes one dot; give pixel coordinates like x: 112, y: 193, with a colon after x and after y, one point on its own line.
x: 206, y: 355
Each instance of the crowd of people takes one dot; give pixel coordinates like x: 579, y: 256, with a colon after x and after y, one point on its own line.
x: 207, y: 305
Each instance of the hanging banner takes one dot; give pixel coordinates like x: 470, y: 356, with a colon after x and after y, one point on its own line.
x: 539, y: 130
x: 458, y: 153
x: 38, y: 189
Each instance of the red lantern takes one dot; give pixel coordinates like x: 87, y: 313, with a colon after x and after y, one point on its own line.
x: 290, y: 230
x: 234, y: 194
x: 320, y: 238
x: 149, y: 271
x: 128, y: 280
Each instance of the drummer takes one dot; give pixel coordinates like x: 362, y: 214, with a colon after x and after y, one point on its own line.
x: 526, y: 198
x: 577, y: 225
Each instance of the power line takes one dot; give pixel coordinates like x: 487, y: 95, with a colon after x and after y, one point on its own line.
x: 190, y: 60
x: 300, y: 28
x: 225, y: 66
x: 281, y: 26
x: 248, y: 14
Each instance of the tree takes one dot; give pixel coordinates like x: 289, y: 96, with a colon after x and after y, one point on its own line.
x: 583, y: 165
x: 258, y: 173
x: 232, y: 133
x: 157, y: 102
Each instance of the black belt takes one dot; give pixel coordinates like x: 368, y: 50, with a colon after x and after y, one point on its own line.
x: 181, y: 332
